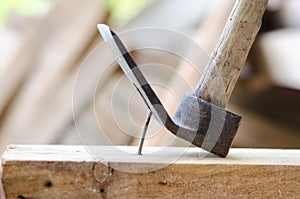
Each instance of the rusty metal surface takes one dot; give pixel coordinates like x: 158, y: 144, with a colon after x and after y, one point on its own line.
x: 214, y: 126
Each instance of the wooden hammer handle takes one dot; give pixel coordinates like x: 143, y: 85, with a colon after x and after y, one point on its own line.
x: 229, y: 55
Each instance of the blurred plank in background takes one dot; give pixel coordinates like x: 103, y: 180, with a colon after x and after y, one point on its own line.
x: 50, y: 52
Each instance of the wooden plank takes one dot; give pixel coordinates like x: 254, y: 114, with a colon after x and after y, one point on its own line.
x: 72, y: 172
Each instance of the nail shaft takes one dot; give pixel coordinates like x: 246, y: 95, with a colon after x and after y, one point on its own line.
x: 141, y: 143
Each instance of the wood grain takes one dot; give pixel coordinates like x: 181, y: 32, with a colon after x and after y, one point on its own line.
x: 229, y: 56
x: 72, y: 172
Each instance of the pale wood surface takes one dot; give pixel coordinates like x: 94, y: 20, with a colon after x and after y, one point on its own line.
x: 72, y: 172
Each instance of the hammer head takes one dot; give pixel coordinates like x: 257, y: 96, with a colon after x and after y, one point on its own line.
x: 214, y: 126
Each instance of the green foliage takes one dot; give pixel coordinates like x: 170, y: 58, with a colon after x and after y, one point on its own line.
x: 121, y: 10
x: 124, y: 10
x: 24, y: 7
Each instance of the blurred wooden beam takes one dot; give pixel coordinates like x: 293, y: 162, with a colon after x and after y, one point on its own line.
x: 281, y: 52
x: 47, y: 58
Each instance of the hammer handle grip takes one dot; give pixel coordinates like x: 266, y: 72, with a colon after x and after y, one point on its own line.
x: 229, y: 55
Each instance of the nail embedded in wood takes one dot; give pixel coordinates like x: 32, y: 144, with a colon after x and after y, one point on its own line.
x: 143, y: 136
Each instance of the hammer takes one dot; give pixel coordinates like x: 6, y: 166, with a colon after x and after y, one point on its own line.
x: 201, y: 117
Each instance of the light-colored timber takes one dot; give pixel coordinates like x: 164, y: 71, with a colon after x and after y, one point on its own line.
x: 51, y: 171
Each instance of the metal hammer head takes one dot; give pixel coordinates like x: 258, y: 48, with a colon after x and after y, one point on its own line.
x: 196, y: 121
x: 214, y: 126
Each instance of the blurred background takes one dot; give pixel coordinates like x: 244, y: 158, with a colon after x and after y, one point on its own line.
x: 43, y: 43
